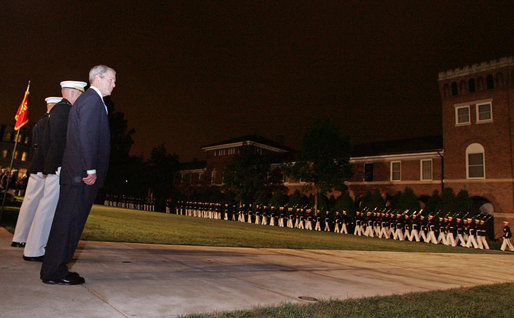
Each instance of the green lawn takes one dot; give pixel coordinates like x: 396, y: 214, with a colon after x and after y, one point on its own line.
x: 480, y: 301
x: 124, y: 225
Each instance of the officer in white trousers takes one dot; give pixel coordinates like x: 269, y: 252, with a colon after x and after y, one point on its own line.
x: 35, y: 184
x: 53, y: 149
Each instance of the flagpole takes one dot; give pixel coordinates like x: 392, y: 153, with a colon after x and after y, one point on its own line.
x: 16, y: 127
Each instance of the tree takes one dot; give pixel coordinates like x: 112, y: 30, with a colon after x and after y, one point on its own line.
x: 297, y: 199
x: 246, y: 174
x: 448, y: 200
x: 373, y: 200
x: 324, y: 159
x: 162, y: 169
x: 409, y: 201
x: 122, y: 167
x: 394, y: 200
x: 464, y: 203
x: 278, y: 199
x: 345, y: 203
x: 435, y: 202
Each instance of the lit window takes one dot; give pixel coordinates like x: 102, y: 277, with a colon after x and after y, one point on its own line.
x: 396, y: 170
x: 484, y: 112
x: 213, y: 176
x: 426, y: 169
x: 462, y: 115
x: 4, y: 153
x: 475, y: 161
x: 24, y: 156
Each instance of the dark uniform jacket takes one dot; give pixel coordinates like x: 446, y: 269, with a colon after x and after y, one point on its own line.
x: 87, y: 140
x: 38, y: 140
x: 56, y: 132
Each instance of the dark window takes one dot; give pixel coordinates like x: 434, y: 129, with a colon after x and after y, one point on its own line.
x: 455, y: 89
x: 490, y: 82
x: 368, y: 172
x: 472, y: 85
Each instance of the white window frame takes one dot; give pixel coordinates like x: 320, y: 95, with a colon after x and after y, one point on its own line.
x: 421, y: 170
x: 457, y: 123
x: 392, y: 170
x: 481, y: 121
x: 475, y: 148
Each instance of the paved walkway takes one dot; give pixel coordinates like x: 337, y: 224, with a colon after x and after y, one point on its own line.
x: 145, y: 280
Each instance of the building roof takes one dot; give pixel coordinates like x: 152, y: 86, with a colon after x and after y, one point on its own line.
x: 476, y: 68
x: 193, y: 165
x: 248, y: 140
x: 411, y: 145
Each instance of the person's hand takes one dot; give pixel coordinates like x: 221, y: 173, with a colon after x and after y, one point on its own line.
x: 90, y: 179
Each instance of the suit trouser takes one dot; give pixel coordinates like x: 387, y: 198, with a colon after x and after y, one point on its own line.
x: 40, y: 229
x: 73, y: 208
x: 33, y: 195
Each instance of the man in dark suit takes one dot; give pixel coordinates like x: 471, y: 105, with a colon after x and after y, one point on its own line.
x: 53, y: 149
x: 84, y: 168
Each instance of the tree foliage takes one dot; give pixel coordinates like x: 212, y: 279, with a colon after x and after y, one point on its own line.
x: 345, y: 203
x: 162, y: 167
x: 324, y: 159
x: 408, y: 200
x: 297, y: 199
x: 434, y: 203
x: 246, y: 174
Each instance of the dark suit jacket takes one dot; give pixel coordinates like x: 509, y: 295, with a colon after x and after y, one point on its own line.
x: 56, y: 131
x: 38, y: 140
x: 87, y: 140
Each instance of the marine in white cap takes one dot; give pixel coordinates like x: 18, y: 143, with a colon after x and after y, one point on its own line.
x: 36, y: 182
x: 507, y: 235
x: 53, y: 149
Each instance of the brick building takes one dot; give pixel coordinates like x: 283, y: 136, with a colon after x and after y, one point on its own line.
x: 475, y: 151
x: 22, y: 155
x: 217, y: 155
x: 477, y: 117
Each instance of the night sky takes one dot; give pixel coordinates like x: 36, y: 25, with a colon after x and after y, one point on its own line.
x: 197, y: 72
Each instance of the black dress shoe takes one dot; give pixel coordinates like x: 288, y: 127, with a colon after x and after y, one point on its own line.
x: 17, y: 244
x: 33, y: 258
x: 69, y: 279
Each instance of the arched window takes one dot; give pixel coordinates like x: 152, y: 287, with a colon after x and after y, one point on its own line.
x: 471, y: 85
x: 455, y: 89
x: 475, y: 161
x: 489, y: 81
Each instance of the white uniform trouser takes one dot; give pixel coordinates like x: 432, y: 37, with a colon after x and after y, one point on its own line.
x: 33, y: 195
x: 344, y: 229
x: 40, y: 229
x: 506, y: 243
x: 482, y: 242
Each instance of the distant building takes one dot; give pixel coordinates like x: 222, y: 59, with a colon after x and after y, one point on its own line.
x: 22, y: 155
x: 475, y: 151
x: 217, y: 155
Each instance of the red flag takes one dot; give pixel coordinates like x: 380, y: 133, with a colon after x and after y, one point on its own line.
x: 22, y: 116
